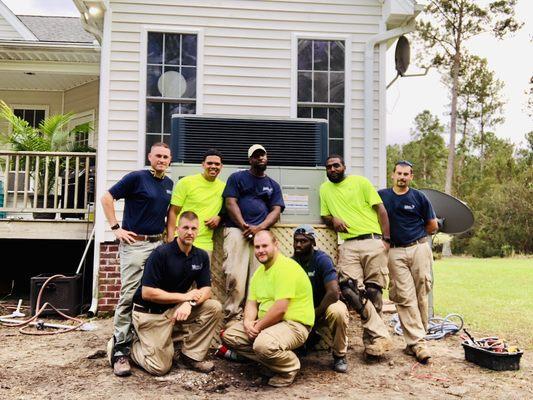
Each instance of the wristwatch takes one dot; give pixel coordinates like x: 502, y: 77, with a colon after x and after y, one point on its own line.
x: 115, y: 227
x: 386, y: 239
x: 192, y: 303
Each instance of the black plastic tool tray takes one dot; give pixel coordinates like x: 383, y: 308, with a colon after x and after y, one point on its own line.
x: 492, y: 360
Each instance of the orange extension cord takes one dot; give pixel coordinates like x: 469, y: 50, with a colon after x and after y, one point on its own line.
x: 23, y: 324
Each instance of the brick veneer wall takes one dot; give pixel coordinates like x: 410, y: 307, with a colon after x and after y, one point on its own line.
x: 109, y: 274
x: 108, y: 277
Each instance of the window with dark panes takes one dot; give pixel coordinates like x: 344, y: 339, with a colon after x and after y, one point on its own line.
x: 321, y: 86
x: 33, y: 116
x: 170, y: 82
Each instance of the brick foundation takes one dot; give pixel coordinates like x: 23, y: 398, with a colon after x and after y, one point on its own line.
x: 109, y: 274
x: 108, y: 277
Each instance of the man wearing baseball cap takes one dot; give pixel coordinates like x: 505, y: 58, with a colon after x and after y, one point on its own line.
x: 331, y: 315
x: 253, y: 203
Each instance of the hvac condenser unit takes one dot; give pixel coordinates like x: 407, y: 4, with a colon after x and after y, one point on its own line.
x: 297, y: 150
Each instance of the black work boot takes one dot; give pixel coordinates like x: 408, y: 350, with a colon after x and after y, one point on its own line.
x: 340, y: 364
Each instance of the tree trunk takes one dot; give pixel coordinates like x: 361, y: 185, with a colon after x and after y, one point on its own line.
x: 453, y: 124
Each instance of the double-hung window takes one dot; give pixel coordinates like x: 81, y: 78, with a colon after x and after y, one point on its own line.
x: 33, y: 115
x: 170, y: 82
x: 321, y: 79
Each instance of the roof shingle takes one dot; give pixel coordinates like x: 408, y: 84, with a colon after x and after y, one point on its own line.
x: 56, y: 29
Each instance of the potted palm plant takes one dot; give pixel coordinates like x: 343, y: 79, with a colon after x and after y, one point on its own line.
x: 52, y: 135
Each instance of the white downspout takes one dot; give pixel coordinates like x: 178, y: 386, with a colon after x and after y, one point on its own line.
x: 101, y: 160
x: 369, y: 92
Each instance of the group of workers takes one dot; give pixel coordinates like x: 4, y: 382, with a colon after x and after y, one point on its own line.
x: 275, y: 307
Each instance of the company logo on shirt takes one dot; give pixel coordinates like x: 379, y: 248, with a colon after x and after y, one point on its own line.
x: 408, y: 207
x: 311, y: 274
x: 268, y: 189
x: 196, y: 267
x: 169, y: 191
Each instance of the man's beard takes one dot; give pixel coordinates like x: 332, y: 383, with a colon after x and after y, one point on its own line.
x: 261, y: 167
x: 335, y: 178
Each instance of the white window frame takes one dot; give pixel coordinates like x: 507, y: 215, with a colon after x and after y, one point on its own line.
x: 347, y: 83
x: 81, y: 118
x: 40, y: 107
x: 199, y: 32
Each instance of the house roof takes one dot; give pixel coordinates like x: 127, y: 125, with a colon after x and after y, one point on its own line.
x: 56, y: 29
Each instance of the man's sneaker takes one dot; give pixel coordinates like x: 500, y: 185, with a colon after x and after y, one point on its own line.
x: 420, y: 352
x: 340, y: 364
x: 378, y: 347
x: 283, y: 380
x: 200, y: 366
x: 121, y: 366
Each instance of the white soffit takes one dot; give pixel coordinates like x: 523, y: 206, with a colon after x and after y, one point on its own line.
x: 18, y: 80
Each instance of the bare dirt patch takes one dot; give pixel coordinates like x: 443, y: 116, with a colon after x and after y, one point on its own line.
x: 73, y: 366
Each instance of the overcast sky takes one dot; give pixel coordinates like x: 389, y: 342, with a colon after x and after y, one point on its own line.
x: 511, y: 59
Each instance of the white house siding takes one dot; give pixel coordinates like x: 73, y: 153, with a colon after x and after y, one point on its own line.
x: 7, y: 32
x: 82, y: 99
x: 246, y: 63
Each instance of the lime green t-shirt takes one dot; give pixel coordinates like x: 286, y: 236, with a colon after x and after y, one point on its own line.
x: 351, y: 200
x: 204, y: 198
x: 285, y: 279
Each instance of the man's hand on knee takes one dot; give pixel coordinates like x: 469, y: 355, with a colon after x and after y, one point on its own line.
x: 251, y: 329
x: 194, y: 295
x: 182, y: 312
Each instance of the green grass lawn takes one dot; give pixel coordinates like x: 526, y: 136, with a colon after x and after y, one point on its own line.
x: 494, y: 296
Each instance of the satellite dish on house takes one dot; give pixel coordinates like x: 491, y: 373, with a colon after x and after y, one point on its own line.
x: 402, y: 55
x: 457, y: 217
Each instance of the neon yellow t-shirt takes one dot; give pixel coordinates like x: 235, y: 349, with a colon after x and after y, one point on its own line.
x: 204, y: 198
x: 285, y: 279
x: 351, y: 200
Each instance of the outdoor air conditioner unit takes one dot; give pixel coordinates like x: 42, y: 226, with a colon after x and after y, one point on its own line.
x: 297, y: 151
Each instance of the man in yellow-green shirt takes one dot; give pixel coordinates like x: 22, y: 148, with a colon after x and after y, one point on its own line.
x: 202, y: 194
x: 278, y: 315
x: 351, y: 206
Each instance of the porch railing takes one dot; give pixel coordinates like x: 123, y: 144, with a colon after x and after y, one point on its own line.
x: 46, y: 182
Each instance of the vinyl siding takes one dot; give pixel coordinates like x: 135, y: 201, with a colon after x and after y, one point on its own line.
x: 246, y: 63
x: 84, y: 98
x: 7, y: 32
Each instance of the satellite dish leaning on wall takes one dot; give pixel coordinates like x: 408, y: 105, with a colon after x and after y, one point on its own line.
x: 457, y: 217
x: 402, y: 55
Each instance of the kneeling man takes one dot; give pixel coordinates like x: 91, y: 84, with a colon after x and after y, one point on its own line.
x: 278, y: 314
x: 165, y: 307
x: 330, y: 312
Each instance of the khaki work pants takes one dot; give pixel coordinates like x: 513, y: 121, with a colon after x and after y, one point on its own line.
x: 153, y: 348
x: 334, y: 326
x: 366, y: 261
x: 132, y: 259
x: 239, y: 264
x: 410, y: 272
x: 272, y: 347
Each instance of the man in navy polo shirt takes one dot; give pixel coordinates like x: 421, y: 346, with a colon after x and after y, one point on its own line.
x: 330, y: 312
x: 166, y: 309
x: 253, y: 203
x: 411, y: 218
x: 146, y: 195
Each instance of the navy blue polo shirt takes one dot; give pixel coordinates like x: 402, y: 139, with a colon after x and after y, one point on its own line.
x: 255, y: 195
x: 320, y: 270
x: 146, y: 200
x: 408, y: 214
x: 170, y: 269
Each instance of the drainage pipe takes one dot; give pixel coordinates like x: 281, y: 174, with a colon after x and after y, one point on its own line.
x: 369, y: 91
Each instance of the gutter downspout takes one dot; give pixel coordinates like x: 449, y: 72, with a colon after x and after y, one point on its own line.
x: 369, y: 91
x: 101, y: 160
